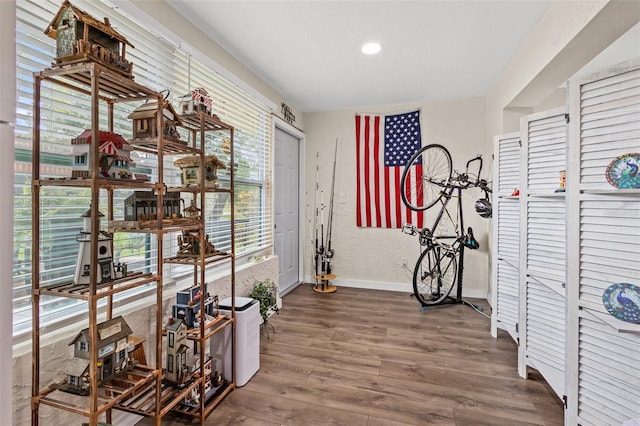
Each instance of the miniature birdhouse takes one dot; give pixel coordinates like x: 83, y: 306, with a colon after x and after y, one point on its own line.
x: 197, y: 100
x: 114, y: 355
x: 144, y: 121
x: 114, y: 156
x: 177, y: 371
x: 80, y: 37
x: 190, y: 168
x: 104, y: 269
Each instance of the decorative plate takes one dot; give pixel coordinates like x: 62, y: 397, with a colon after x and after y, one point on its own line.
x: 623, y: 173
x: 622, y: 300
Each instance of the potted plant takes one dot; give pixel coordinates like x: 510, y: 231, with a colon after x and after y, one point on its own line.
x: 266, y: 292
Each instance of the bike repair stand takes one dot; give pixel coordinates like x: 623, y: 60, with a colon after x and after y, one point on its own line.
x: 322, y: 283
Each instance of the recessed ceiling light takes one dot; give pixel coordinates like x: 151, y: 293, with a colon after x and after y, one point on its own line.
x: 371, y: 48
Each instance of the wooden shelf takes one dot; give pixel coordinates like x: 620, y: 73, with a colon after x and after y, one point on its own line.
x: 210, y: 328
x: 169, y: 147
x: 111, y: 86
x: 216, y: 399
x: 151, y: 226
x: 110, y: 393
x: 213, y: 258
x: 101, y: 182
x: 196, y: 189
x: 143, y: 402
x: 83, y: 291
x: 203, y: 122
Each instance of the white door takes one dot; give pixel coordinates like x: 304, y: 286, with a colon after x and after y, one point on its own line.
x: 286, y: 208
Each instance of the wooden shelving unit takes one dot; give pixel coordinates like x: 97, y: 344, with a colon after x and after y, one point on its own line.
x: 140, y: 389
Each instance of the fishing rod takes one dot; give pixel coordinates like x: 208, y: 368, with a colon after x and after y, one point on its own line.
x: 329, y: 252
x: 316, y: 264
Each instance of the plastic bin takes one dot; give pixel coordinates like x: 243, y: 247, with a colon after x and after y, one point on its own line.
x: 248, y: 321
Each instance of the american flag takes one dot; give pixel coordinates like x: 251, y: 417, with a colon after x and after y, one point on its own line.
x: 384, y: 144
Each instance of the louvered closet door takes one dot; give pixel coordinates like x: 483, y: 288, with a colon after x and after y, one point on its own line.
x: 543, y: 247
x: 604, y: 248
x: 506, y: 235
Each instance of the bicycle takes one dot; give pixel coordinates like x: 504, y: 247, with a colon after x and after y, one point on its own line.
x: 440, y: 265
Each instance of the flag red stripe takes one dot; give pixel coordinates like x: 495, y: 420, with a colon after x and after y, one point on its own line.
x: 419, y: 193
x: 398, y: 198
x: 367, y: 183
x: 358, y: 142
x: 376, y: 170
x: 387, y: 199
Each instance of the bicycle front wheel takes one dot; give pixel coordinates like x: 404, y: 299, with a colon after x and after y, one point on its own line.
x: 424, y: 177
x: 435, y: 275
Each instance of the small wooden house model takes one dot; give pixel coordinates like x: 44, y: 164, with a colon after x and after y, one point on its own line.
x: 144, y: 121
x: 114, y: 355
x: 197, y: 100
x: 104, y: 269
x: 143, y: 205
x: 80, y: 38
x: 190, y: 168
x: 114, y: 156
x: 177, y: 371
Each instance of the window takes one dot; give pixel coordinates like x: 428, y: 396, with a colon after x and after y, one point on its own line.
x: 171, y: 334
x: 170, y: 363
x: 160, y: 65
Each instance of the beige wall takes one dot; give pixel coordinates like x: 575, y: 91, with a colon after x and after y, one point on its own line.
x: 371, y: 257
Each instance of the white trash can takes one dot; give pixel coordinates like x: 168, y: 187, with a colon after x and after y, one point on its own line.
x: 248, y: 321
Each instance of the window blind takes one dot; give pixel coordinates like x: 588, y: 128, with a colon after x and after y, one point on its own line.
x: 161, y: 65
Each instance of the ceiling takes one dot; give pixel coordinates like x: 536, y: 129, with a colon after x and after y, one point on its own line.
x: 309, y: 51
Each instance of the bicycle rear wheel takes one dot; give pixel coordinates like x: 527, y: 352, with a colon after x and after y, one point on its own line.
x: 424, y: 177
x: 435, y: 275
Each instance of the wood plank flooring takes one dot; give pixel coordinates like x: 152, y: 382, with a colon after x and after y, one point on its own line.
x: 371, y: 358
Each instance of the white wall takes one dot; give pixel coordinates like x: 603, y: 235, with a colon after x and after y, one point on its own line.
x: 371, y: 257
x: 7, y: 113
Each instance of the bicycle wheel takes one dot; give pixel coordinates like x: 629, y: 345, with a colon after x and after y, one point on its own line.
x: 424, y: 177
x: 435, y: 275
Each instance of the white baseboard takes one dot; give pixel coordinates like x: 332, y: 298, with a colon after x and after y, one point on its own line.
x: 391, y: 286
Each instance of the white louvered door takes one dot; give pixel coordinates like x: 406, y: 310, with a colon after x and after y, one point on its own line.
x: 604, y: 235
x: 506, y: 235
x: 543, y: 242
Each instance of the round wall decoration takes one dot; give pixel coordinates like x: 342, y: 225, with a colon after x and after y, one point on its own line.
x: 622, y: 300
x: 623, y: 173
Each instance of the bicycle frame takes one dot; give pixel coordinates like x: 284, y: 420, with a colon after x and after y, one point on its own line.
x: 448, y: 193
x: 454, y: 190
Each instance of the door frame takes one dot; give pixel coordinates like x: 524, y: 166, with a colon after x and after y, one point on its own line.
x: 280, y: 124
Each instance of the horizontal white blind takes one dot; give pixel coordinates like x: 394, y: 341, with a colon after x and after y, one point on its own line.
x: 609, y: 385
x: 546, y: 236
x: 508, y: 165
x: 546, y: 331
x: 609, y: 121
x: 159, y: 65
x: 546, y: 146
x: 507, y: 234
x: 610, y: 228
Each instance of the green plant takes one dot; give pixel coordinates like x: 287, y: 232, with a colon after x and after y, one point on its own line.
x: 265, y: 292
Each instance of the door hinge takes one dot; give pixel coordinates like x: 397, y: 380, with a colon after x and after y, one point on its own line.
x: 517, y: 330
x: 564, y: 399
x: 566, y: 117
x: 520, y: 143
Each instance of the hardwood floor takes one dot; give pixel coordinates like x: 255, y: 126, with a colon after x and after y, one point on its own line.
x: 371, y: 358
